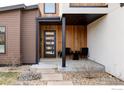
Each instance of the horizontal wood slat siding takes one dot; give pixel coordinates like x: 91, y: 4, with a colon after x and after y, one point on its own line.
x: 28, y: 36
x: 11, y: 19
x: 76, y: 37
x: 88, y: 4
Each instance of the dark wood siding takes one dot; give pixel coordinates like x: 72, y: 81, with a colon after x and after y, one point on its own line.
x: 76, y: 36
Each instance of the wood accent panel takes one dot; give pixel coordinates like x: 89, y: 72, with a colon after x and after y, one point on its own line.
x: 88, y: 4
x: 76, y: 37
x: 41, y: 8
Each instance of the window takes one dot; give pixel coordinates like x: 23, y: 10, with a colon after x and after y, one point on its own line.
x: 2, y: 39
x: 49, y: 8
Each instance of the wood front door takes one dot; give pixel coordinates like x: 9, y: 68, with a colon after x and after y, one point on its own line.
x: 49, y: 44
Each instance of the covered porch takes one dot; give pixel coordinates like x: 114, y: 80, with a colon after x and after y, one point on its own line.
x: 84, y: 65
x: 68, y: 32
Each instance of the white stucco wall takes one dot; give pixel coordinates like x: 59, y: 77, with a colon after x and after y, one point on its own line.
x: 106, y: 42
x: 66, y: 9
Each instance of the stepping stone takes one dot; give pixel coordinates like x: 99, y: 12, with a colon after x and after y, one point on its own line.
x: 60, y: 83
x: 46, y: 71
x: 52, y: 77
x: 44, y: 66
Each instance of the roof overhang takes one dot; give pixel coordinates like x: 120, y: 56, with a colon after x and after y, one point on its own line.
x: 71, y: 19
x: 81, y: 19
x: 16, y: 7
x: 49, y: 20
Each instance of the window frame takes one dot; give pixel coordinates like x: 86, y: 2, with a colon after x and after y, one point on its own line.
x: 50, y: 12
x: 4, y: 33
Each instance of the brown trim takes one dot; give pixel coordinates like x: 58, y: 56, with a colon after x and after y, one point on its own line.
x: 4, y: 39
x: 50, y: 13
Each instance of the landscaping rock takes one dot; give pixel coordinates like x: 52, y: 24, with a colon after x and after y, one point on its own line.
x: 28, y: 76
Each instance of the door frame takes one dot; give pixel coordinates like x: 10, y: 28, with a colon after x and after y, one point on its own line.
x: 54, y: 56
x: 59, y: 20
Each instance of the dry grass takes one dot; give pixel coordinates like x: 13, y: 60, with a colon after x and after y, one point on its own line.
x: 7, y: 78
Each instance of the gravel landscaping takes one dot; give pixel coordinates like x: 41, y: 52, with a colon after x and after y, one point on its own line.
x: 102, y: 78
x: 27, y: 77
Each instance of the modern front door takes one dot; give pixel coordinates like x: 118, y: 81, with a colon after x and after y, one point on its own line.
x: 50, y: 44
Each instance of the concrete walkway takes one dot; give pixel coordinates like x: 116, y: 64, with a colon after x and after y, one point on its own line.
x: 71, y: 65
x: 48, y: 68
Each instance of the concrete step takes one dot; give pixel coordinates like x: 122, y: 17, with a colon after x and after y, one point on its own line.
x: 59, y: 83
x: 51, y: 77
x: 46, y: 71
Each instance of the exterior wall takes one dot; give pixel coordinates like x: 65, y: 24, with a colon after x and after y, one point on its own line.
x: 11, y: 19
x: 88, y: 4
x: 76, y: 37
x: 105, y: 42
x: 66, y: 9
x: 28, y: 36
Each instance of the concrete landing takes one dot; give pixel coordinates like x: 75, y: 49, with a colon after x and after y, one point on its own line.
x: 71, y: 65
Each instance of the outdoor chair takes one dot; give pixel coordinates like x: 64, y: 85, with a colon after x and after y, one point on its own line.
x: 76, y: 55
x: 84, y: 52
x: 68, y: 52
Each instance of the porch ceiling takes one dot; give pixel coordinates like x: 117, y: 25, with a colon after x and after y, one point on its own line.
x: 81, y: 19
x: 71, y: 19
x: 49, y: 20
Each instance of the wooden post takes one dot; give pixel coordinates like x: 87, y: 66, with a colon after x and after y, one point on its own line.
x: 63, y: 42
